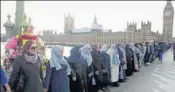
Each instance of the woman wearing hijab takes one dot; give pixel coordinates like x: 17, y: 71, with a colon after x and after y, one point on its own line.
x: 57, y: 72
x: 135, y: 60
x: 142, y: 50
x: 122, y: 57
x: 78, y: 64
x: 86, y: 54
x: 98, y: 67
x: 106, y: 68
x: 151, y: 54
x: 115, y: 62
x: 137, y: 53
x: 27, y: 75
x: 147, y: 54
x: 130, y: 60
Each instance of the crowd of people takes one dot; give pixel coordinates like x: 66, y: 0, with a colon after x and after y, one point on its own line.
x: 89, y: 68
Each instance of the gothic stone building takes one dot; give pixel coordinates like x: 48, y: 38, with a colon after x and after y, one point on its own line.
x: 97, y: 35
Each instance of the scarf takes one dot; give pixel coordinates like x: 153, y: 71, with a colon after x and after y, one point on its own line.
x: 85, y: 52
x: 57, y: 59
x: 104, y: 48
x: 116, y: 60
x: 31, y: 58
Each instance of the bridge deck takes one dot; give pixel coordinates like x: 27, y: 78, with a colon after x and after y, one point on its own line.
x: 157, y: 77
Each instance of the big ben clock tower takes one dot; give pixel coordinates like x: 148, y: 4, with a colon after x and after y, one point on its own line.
x: 168, y: 16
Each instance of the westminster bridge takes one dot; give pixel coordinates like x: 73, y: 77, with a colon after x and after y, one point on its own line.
x: 67, y: 43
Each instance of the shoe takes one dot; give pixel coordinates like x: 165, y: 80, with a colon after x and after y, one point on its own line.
x: 115, y: 84
x: 107, y: 89
x: 103, y: 89
x: 121, y: 81
x: 148, y: 63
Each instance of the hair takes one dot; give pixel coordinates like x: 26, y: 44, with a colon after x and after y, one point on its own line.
x: 27, y: 45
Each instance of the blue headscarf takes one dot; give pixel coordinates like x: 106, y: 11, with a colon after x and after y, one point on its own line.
x: 86, y: 53
x: 116, y: 54
x: 57, y: 59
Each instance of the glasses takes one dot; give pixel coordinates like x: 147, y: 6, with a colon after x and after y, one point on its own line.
x: 33, y: 47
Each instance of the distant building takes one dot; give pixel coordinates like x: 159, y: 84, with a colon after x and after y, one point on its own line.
x: 97, y: 35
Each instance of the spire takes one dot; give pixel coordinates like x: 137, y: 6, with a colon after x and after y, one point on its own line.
x: 30, y: 20
x: 169, y: 1
x: 9, y: 17
x: 95, y: 19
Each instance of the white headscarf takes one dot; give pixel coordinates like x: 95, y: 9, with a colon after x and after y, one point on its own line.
x: 105, y: 48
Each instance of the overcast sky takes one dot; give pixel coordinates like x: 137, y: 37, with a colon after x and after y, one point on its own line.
x: 111, y: 14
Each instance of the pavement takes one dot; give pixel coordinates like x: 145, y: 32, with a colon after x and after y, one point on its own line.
x: 157, y: 77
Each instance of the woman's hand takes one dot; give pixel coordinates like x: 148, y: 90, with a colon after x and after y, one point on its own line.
x: 90, y: 74
x: 74, y: 78
x: 8, y: 91
x: 7, y: 87
x: 45, y: 90
x: 97, y: 72
x: 104, y: 71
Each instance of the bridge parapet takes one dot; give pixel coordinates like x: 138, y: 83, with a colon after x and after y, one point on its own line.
x: 64, y: 43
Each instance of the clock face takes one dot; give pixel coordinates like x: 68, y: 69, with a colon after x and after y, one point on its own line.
x: 167, y: 13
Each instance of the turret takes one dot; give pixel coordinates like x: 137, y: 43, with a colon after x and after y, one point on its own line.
x: 68, y: 23
x: 131, y: 26
x: 146, y: 26
x: 30, y: 23
x: 95, y: 20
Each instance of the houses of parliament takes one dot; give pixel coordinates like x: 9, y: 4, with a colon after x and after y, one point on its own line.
x: 97, y: 35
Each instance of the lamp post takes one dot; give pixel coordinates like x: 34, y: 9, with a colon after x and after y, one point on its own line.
x: 9, y: 26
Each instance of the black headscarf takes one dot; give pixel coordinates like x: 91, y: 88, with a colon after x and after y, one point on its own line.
x: 128, y: 51
x: 75, y: 55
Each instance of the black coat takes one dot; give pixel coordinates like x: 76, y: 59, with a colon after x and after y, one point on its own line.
x: 32, y: 72
x: 80, y: 69
x: 99, y: 66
